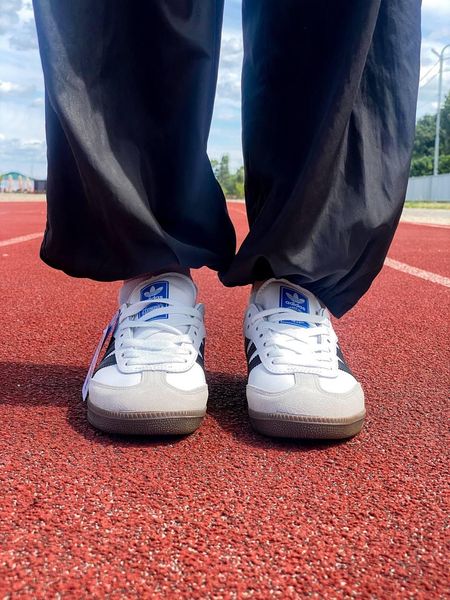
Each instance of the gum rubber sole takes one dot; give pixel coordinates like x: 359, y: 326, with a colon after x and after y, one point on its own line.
x: 163, y: 423
x: 305, y: 427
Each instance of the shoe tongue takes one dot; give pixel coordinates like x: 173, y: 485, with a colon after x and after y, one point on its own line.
x: 284, y: 294
x: 155, y: 290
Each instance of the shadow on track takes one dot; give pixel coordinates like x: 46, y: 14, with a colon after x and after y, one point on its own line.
x: 30, y: 385
x: 35, y: 385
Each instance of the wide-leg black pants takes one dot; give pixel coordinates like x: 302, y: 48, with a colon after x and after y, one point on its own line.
x: 329, y: 95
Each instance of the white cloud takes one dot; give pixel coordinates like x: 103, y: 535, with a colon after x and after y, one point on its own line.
x: 17, y: 120
x: 10, y: 89
x: 229, y: 80
x: 24, y: 37
x: 436, y: 6
x: 37, y: 102
x: 6, y: 87
x: 22, y: 134
x: 24, y: 155
x: 9, y: 16
x: 225, y: 133
x: 22, y: 88
x: 436, y: 35
x: 17, y: 24
x: 26, y: 11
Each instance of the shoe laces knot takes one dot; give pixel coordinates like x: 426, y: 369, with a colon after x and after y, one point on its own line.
x: 165, y: 334
x: 289, y: 338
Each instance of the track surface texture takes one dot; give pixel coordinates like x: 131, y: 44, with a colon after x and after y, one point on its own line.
x: 225, y: 512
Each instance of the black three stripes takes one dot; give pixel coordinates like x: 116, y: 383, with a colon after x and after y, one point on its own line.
x: 342, y: 365
x: 201, y: 354
x: 250, y: 349
x: 109, y: 358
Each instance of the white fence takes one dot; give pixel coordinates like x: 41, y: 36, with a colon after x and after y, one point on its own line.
x: 435, y: 188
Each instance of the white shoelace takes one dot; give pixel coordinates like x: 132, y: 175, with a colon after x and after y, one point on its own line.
x: 157, y: 341
x: 285, y: 344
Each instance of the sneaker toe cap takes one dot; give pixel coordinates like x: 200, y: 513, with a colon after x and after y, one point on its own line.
x: 308, y: 398
x: 152, y: 394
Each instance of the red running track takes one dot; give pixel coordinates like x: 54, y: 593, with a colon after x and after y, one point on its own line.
x: 224, y: 513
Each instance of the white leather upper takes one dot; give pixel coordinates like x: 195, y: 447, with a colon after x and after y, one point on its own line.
x: 160, y: 329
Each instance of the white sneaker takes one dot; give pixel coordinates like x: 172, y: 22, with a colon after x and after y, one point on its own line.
x: 151, y: 379
x: 299, y: 384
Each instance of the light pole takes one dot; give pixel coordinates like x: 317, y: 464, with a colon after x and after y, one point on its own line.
x: 440, y: 55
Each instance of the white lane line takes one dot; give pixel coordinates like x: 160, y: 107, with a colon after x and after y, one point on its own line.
x: 427, y: 275
x: 394, y: 264
x: 389, y: 262
x: 21, y: 238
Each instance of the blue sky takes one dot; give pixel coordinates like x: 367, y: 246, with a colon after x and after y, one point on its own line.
x: 22, y: 133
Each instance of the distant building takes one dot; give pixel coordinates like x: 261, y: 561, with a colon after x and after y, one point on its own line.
x: 13, y: 183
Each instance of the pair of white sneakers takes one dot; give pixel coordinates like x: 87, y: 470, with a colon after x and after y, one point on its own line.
x: 151, y: 379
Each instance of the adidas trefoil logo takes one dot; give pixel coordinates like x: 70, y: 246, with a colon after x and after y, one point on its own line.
x: 295, y: 298
x: 153, y: 291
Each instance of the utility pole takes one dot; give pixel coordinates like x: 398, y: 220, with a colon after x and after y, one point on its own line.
x: 440, y: 55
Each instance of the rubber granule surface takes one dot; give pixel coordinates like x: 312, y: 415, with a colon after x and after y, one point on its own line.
x: 225, y: 512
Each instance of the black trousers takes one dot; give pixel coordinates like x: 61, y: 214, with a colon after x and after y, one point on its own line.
x: 329, y: 96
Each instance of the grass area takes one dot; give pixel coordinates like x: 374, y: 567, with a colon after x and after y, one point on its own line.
x: 444, y: 205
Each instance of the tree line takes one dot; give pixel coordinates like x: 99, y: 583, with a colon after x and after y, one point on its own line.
x: 423, y: 152
x: 422, y: 158
x: 232, y: 183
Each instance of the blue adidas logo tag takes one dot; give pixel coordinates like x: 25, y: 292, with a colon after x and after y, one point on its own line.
x: 294, y: 300
x: 154, y: 292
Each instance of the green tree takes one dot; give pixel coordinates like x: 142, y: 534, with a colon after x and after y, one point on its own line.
x: 445, y: 127
x: 423, y: 150
x: 444, y: 163
x: 422, y: 166
x: 239, y: 183
x: 424, y: 139
x: 222, y: 173
x: 232, y: 183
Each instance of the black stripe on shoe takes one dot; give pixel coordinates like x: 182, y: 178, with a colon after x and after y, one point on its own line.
x: 342, y: 365
x: 201, y: 355
x: 109, y: 358
x: 250, y: 349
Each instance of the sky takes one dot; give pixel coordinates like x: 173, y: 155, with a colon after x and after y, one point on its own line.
x: 22, y: 128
